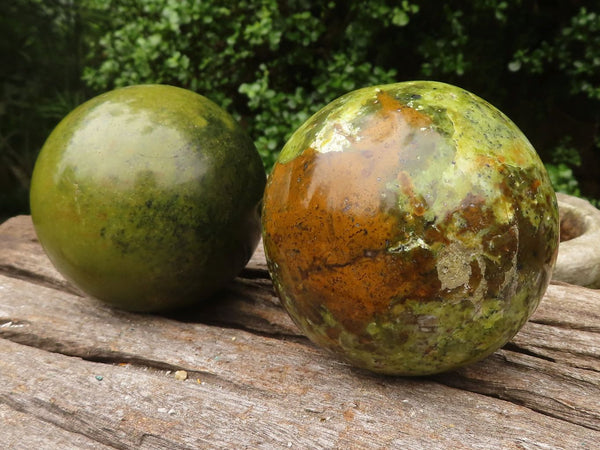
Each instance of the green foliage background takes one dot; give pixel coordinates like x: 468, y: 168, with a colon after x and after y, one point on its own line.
x: 272, y: 63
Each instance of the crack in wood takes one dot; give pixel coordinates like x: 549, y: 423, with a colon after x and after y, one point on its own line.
x: 252, y: 273
x: 298, y: 338
x: 39, y: 279
x: 101, y: 356
x: 6, y: 322
x: 154, y: 441
x: 517, y: 349
x: 567, y: 326
x: 51, y: 413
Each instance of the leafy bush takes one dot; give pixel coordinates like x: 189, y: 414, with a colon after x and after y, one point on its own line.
x: 574, y: 51
x: 272, y: 63
x: 41, y: 59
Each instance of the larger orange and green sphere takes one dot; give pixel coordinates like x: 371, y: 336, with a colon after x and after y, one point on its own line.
x: 410, y: 228
x: 147, y: 197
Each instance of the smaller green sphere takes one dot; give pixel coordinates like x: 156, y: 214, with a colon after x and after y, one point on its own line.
x: 147, y: 197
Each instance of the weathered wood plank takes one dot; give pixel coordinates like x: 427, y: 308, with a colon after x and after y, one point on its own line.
x: 23, y: 431
x: 135, y: 407
x: 568, y: 306
x: 250, y: 300
x: 553, y: 389
x: 305, y: 377
x: 577, y: 348
x: 248, y: 303
x: 566, y: 326
x: 22, y: 255
x: 265, y: 383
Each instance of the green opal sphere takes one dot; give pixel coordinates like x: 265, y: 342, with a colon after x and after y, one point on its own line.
x: 147, y: 197
x: 410, y: 228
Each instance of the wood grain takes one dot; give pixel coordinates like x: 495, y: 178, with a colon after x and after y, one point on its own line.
x: 78, y: 374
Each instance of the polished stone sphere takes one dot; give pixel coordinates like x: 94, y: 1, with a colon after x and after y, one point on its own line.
x: 147, y: 197
x: 410, y: 228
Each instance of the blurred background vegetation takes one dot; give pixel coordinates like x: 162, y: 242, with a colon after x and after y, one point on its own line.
x: 272, y: 63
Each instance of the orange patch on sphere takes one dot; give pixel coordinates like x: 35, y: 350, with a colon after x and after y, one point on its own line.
x: 330, y: 217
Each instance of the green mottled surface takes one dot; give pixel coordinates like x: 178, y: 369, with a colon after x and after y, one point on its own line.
x: 147, y: 197
x: 410, y: 228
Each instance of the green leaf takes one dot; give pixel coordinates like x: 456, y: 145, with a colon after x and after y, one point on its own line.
x: 400, y: 18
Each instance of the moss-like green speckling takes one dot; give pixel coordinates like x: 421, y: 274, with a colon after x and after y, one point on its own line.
x: 410, y: 228
x: 147, y: 197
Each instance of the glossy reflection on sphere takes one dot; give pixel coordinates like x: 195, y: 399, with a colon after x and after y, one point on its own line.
x: 147, y: 197
x: 410, y: 228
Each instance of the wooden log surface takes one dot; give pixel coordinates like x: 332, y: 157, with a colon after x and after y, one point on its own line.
x: 78, y: 374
